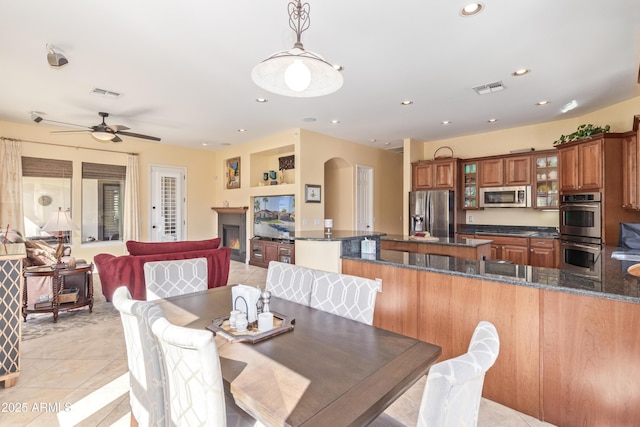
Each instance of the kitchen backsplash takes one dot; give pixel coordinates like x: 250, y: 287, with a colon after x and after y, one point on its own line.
x: 513, y: 216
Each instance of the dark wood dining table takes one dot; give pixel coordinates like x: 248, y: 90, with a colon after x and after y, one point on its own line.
x: 327, y: 371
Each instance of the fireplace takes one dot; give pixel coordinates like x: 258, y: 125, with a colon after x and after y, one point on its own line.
x: 232, y: 230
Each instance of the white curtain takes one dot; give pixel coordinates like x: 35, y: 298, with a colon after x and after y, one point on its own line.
x: 11, y: 212
x: 131, y: 194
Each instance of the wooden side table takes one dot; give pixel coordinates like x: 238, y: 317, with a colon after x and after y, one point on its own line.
x: 58, y: 277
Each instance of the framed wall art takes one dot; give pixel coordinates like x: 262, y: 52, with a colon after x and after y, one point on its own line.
x: 232, y: 172
x: 312, y: 193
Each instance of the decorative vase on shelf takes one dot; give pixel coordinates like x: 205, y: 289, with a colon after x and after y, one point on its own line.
x: 283, y: 177
x: 273, y: 174
x: 265, y: 176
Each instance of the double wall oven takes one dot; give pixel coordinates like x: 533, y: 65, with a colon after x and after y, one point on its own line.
x: 581, y: 233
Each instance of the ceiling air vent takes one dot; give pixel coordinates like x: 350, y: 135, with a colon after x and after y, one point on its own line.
x: 399, y: 149
x: 105, y: 93
x: 489, y: 87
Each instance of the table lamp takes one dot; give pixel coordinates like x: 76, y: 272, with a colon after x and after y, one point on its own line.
x: 59, y: 221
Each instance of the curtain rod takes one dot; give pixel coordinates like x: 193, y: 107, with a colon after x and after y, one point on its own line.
x: 62, y: 145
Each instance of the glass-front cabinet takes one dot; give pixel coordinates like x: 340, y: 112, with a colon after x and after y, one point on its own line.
x: 546, y: 181
x: 470, y: 177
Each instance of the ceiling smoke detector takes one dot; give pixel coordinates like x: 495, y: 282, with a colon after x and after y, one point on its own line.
x: 489, y: 87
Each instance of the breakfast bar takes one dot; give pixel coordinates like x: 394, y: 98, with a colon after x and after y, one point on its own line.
x: 568, y: 352
x: 459, y: 247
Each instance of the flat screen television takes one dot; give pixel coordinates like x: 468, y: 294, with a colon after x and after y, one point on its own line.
x: 274, y: 217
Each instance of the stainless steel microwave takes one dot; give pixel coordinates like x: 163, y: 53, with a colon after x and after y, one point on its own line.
x: 506, y: 197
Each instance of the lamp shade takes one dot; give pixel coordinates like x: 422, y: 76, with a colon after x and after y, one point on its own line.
x: 298, y: 73
x: 59, y: 221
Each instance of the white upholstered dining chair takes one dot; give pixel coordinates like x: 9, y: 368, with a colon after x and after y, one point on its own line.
x: 454, y: 387
x: 289, y: 281
x: 348, y: 296
x: 144, y: 357
x: 175, y: 277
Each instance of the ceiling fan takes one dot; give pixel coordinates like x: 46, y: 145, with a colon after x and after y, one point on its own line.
x: 104, y: 132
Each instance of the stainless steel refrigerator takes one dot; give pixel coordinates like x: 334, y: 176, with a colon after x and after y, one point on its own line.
x: 432, y: 211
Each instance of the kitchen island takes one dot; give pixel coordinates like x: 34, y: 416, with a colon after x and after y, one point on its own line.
x: 459, y: 247
x: 568, y: 348
x: 322, y: 251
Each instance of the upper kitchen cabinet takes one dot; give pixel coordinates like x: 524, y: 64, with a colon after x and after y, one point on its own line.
x: 504, y: 171
x: 546, y: 180
x: 470, y: 185
x: 437, y: 174
x: 581, y: 165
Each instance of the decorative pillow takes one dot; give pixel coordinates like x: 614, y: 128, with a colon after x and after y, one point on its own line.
x: 40, y: 253
x: 153, y: 248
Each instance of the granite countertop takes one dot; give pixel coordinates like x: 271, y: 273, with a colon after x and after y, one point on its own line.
x: 320, y: 235
x: 510, y: 230
x: 612, y: 283
x: 448, y: 241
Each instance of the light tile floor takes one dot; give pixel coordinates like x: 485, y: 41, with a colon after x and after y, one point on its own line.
x: 78, y: 377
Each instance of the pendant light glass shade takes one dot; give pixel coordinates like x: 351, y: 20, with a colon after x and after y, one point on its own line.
x: 297, y: 72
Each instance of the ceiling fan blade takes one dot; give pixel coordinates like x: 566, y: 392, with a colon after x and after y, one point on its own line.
x: 117, y: 128
x: 116, y: 139
x: 138, y: 135
x: 63, y: 123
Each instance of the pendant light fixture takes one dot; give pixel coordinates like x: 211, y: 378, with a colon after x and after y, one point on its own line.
x: 297, y: 72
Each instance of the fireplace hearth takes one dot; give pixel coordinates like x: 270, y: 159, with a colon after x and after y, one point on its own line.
x: 232, y: 230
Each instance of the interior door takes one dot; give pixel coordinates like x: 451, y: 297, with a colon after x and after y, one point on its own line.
x: 168, y: 204
x: 364, y: 198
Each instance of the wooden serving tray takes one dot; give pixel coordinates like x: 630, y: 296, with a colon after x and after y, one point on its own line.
x: 281, y: 324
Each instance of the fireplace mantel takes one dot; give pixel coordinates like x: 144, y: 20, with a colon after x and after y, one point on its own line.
x: 231, y: 210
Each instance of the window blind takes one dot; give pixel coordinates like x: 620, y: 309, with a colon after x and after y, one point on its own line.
x: 47, y: 168
x: 102, y: 171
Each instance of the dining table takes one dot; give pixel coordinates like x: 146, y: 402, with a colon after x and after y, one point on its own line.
x: 327, y: 370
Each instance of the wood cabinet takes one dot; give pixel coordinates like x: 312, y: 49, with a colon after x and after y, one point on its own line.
x: 263, y: 251
x: 581, y: 165
x: 545, y: 181
x: 470, y: 171
x: 544, y: 252
x: 434, y: 174
x: 508, y: 248
x: 503, y: 171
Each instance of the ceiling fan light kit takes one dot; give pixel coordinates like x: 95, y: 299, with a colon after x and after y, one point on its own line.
x: 297, y: 72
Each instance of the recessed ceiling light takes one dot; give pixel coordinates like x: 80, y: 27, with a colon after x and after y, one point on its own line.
x: 204, y: 144
x: 545, y: 102
x: 372, y: 140
x: 521, y: 72
x: 261, y: 100
x: 406, y: 102
x: 242, y: 130
x: 445, y: 122
x: 387, y: 143
x: 492, y: 120
x: 335, y: 122
x: 472, y: 9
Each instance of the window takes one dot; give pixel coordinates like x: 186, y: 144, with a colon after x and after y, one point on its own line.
x: 102, y: 201
x: 46, y: 186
